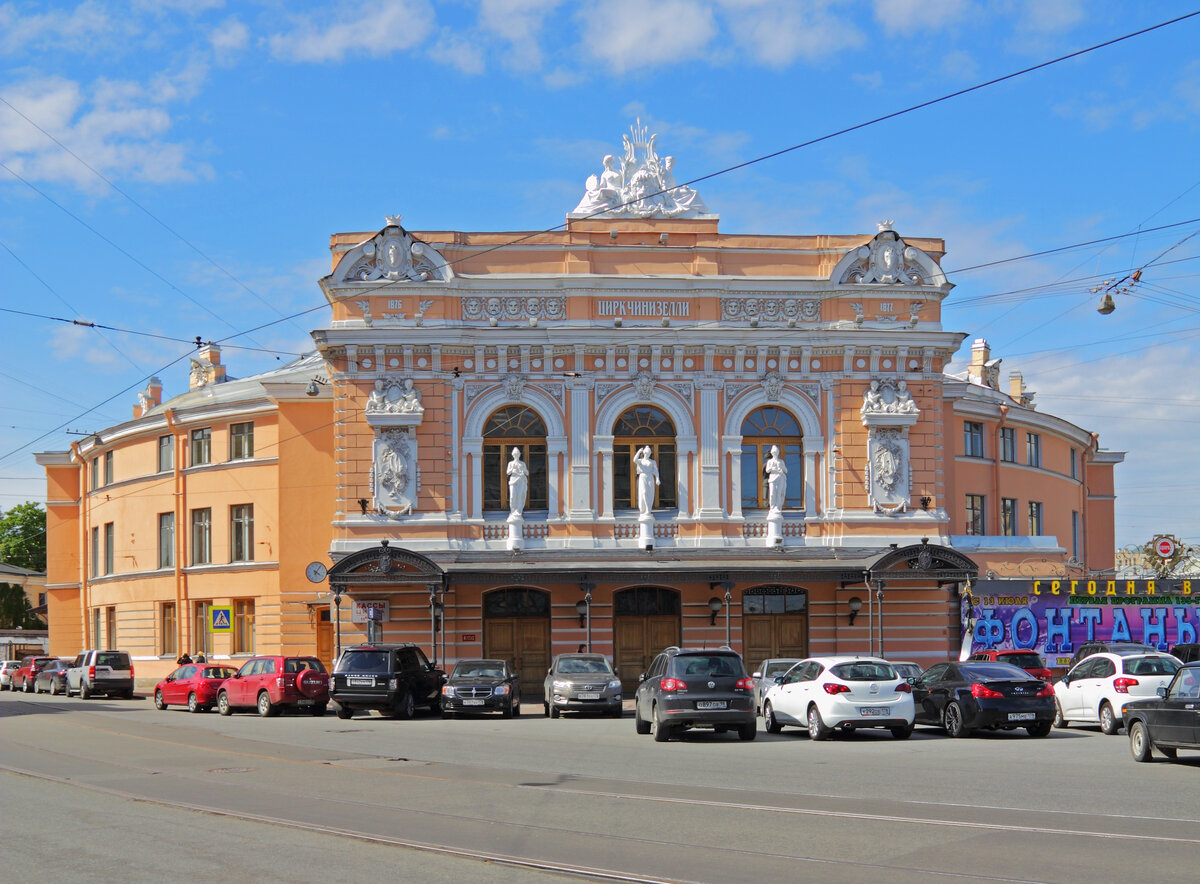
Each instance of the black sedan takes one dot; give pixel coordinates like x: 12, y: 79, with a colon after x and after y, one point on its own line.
x: 963, y: 697
x: 52, y: 678
x: 1169, y: 723
x: 482, y: 686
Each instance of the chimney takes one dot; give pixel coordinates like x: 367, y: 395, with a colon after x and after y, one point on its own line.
x: 1017, y: 390
x: 206, y: 367
x: 149, y: 397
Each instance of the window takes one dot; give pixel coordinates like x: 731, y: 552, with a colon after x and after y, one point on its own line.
x: 166, y: 453
x: 643, y: 427
x: 201, y: 536
x: 166, y: 540
x: 110, y: 539
x: 972, y: 439
x: 168, y: 627
x: 241, y: 441
x: 975, y: 520
x: 1035, y: 518
x: 110, y: 628
x: 1074, y: 464
x: 1033, y: 449
x: 1008, y: 516
x: 108, y: 468
x: 95, y: 473
x: 96, y: 552
x: 241, y: 533
x: 1075, y: 534
x: 243, y: 626
x: 96, y: 621
x: 201, y: 639
x: 1008, y: 444
x: 763, y: 429
x: 521, y: 428
x: 201, y: 446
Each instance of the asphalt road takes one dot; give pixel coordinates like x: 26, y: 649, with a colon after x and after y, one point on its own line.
x: 136, y: 794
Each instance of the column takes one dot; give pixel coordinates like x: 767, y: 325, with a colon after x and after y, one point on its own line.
x: 708, y: 498
x: 579, y: 442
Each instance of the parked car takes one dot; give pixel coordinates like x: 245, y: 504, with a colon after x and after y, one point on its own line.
x: 482, y: 686
x: 699, y: 688
x: 581, y: 683
x: 101, y: 672
x: 271, y: 683
x: 827, y: 694
x: 1027, y: 660
x: 1086, y: 650
x: 7, y: 668
x: 963, y: 697
x: 907, y: 669
x: 1189, y: 652
x: 1097, y: 689
x: 195, y: 685
x: 52, y: 678
x: 1169, y: 722
x: 393, y: 678
x: 766, y: 673
x: 23, y: 677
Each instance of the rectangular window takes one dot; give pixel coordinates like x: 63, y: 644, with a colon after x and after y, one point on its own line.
x: 96, y: 621
x: 243, y: 626
x: 95, y: 483
x: 202, y: 536
x: 96, y: 552
x: 166, y: 540
x: 108, y: 468
x: 201, y: 446
x: 110, y: 539
x: 1008, y: 444
x: 1075, y: 534
x: 241, y: 441
x: 1074, y: 464
x: 201, y: 639
x: 241, y: 533
x: 1008, y: 516
x: 110, y: 628
x: 975, y: 517
x: 168, y: 628
x: 972, y: 439
x: 166, y: 454
x: 1033, y: 449
x: 1035, y: 518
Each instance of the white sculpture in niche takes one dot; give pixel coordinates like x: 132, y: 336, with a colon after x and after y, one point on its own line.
x: 776, y: 472
x: 518, y: 484
x: 393, y: 473
x: 393, y: 396
x: 647, y: 480
x: 887, y: 469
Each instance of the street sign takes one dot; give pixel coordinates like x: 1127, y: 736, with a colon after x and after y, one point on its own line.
x: 1164, y: 546
x: 220, y: 618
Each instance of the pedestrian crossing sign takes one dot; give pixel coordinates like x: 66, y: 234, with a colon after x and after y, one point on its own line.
x: 220, y: 618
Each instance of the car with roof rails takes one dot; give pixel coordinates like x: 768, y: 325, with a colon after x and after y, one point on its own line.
x: 97, y: 671
x: 24, y: 676
x: 1187, y: 652
x: 1112, y: 647
x: 391, y: 678
x: 271, y: 683
x: 688, y: 688
x: 581, y: 682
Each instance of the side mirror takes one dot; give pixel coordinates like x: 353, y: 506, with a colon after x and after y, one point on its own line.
x: 756, y: 675
x: 778, y: 679
x: 616, y: 671
x: 642, y: 677
x: 911, y: 680
x: 1162, y: 691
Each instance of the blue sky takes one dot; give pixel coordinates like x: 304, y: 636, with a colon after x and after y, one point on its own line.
x: 176, y: 168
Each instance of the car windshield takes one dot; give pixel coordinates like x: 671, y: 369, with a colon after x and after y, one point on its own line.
x: 218, y: 672
x: 1150, y: 666
x: 113, y: 659
x: 362, y: 661
x: 300, y: 664
x: 864, y: 671
x: 984, y: 671
x: 777, y: 667
x: 479, y: 669
x: 583, y: 665
x: 708, y: 664
x: 1025, y: 660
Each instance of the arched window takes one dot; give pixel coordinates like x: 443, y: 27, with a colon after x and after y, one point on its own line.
x: 513, y: 426
x: 763, y: 428
x: 641, y: 426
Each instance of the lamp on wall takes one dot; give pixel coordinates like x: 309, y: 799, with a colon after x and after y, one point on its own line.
x: 312, y: 389
x: 584, y: 608
x: 362, y: 505
x: 714, y: 606
x: 855, y: 605
x: 925, y: 501
x: 581, y: 609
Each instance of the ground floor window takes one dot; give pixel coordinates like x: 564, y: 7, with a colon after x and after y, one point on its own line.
x: 243, y: 626
x: 201, y: 638
x: 168, y: 624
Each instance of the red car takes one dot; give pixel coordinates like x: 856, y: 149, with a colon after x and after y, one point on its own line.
x: 195, y: 684
x: 23, y: 678
x: 270, y: 683
x: 1027, y: 660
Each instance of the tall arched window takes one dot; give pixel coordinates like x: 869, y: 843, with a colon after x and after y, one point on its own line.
x: 513, y: 426
x: 638, y: 427
x: 763, y: 428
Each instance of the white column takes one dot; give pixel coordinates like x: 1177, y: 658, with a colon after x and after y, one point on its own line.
x: 708, y: 497
x: 685, y: 446
x: 733, y: 447
x: 810, y: 482
x: 456, y: 385
x: 556, y: 447
x: 474, y: 447
x: 604, y: 448
x: 579, y: 444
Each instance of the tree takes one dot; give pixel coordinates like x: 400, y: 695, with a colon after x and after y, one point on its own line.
x: 22, y: 543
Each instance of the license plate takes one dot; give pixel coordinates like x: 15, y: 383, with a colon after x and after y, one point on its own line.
x: 361, y: 682
x: 1022, y: 716
x: 588, y: 695
x: 472, y: 702
x: 712, y: 704
x: 305, y: 702
x: 867, y: 711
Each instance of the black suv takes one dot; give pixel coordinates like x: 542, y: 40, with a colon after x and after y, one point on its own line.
x: 686, y: 689
x: 391, y: 678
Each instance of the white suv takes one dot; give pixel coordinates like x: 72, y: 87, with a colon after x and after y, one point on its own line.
x: 7, y: 668
x: 1099, y: 686
x: 826, y: 694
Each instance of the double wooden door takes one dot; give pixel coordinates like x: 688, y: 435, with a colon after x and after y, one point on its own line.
x: 525, y: 643
x: 636, y: 639
x: 773, y: 635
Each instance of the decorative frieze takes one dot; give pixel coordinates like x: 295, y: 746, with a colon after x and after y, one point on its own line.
x: 515, y: 307
x: 770, y: 309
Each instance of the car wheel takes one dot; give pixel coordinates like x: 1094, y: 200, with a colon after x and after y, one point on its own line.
x: 770, y: 722
x: 748, y: 731
x: 1041, y: 729
x: 640, y: 724
x: 952, y: 721
x: 266, y: 708
x: 343, y: 712
x: 318, y: 710
x: 128, y: 695
x: 159, y: 702
x: 446, y: 714
x: 662, y: 732
x: 1139, y: 742
x: 517, y: 709
x: 404, y: 706
x: 507, y: 712
x: 436, y: 706
x: 84, y: 691
x: 554, y: 713
x: 24, y: 686
x: 816, y: 727
x: 1059, y: 721
x: 903, y: 732
x: 223, y: 704
x: 546, y: 709
x: 53, y: 688
x: 1108, y: 721
x: 194, y: 704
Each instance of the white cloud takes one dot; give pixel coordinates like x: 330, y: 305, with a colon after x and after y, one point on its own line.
x: 519, y: 23
x: 776, y: 34
x: 1040, y: 17
x: 372, y: 29
x: 910, y: 16
x: 628, y: 35
x: 459, y: 52
x: 81, y: 29
x: 228, y: 39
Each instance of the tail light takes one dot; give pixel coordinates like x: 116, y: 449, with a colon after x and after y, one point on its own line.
x: 92, y: 672
x: 1045, y: 691
x: 904, y: 688
x: 832, y: 689
x: 131, y: 670
x: 672, y: 684
x: 1044, y: 674
x: 744, y: 684
x: 1122, y: 685
x: 982, y: 691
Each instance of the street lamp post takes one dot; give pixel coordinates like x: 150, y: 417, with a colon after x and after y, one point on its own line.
x: 728, y: 587
x: 337, y: 618
x: 879, y: 587
x: 587, y: 586
x: 435, y: 605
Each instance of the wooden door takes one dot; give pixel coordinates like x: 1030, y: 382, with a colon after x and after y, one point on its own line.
x: 635, y: 642
x: 324, y: 640
x: 525, y: 643
x: 773, y: 635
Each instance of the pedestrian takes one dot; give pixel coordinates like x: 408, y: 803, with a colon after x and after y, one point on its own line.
x: 184, y: 659
x: 200, y: 658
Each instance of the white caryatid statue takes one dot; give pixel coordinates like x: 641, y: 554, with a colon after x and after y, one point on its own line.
x: 776, y: 472
x: 518, y: 484
x: 647, y: 480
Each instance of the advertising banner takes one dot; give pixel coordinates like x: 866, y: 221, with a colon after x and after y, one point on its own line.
x: 1055, y: 616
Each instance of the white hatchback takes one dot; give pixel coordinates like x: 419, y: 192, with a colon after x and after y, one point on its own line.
x: 825, y: 694
x: 7, y: 668
x: 1099, y: 686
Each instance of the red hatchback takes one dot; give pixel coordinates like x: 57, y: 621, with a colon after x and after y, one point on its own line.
x: 195, y: 684
x: 1027, y: 660
x: 270, y: 683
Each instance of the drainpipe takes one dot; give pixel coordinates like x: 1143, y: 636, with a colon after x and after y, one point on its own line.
x: 84, y: 537
x: 183, y: 620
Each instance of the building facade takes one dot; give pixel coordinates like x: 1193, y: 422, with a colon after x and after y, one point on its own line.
x: 634, y: 432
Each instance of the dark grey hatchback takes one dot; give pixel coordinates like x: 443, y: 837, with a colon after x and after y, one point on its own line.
x: 695, y: 688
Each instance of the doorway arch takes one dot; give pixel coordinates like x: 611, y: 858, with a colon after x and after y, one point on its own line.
x: 516, y: 628
x: 646, y: 619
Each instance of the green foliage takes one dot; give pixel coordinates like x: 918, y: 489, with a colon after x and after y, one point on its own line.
x: 22, y: 543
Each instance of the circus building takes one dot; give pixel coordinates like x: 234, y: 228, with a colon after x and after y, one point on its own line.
x: 634, y: 432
